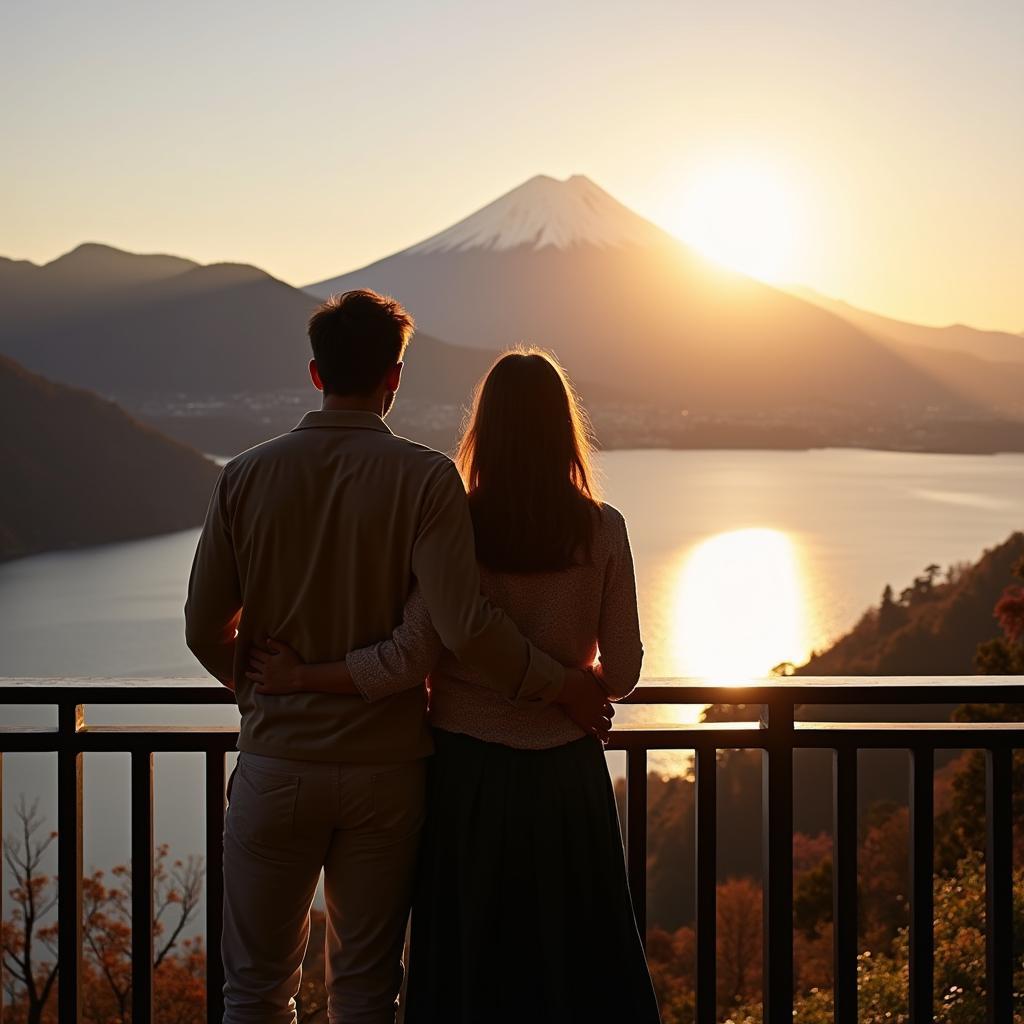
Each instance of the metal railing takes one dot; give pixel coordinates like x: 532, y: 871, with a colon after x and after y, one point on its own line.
x: 777, y: 734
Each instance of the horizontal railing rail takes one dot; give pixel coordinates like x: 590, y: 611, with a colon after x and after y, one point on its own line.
x: 777, y: 734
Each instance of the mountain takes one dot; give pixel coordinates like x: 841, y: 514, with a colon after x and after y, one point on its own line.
x: 138, y: 327
x: 135, y: 326
x: 91, y: 267
x: 88, y: 273
x: 565, y: 265
x: 998, y: 346
x: 933, y: 627
x: 214, y: 355
x: 77, y: 470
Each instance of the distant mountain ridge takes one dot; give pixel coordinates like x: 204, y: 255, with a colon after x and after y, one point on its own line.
x: 140, y: 326
x: 134, y: 326
x: 94, y: 263
x: 998, y: 346
x: 79, y: 471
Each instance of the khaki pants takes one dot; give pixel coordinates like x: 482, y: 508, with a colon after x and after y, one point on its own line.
x: 286, y: 821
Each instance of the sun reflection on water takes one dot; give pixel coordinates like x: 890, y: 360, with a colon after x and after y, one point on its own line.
x: 737, y: 608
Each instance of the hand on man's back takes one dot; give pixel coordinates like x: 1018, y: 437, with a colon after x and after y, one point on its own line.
x: 585, y: 701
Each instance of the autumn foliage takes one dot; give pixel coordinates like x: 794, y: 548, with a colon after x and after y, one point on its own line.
x: 30, y: 936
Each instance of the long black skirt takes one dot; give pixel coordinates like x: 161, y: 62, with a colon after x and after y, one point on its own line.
x: 522, y: 911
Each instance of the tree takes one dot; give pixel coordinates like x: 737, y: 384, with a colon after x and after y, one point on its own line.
x: 671, y: 957
x: 961, y: 827
x: 29, y: 936
x: 1005, y: 654
x: 812, y: 899
x: 890, y: 614
x: 922, y: 588
x: 107, y: 923
x: 959, y: 962
x: 739, y: 941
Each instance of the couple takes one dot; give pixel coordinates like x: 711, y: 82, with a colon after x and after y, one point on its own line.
x: 347, y: 578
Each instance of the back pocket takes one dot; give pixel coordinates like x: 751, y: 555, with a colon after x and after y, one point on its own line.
x: 262, y: 806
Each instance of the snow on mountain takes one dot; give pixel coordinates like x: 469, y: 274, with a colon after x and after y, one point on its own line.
x: 546, y: 212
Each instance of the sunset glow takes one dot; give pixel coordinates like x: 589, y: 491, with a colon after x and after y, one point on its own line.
x: 721, y: 123
x: 743, y: 216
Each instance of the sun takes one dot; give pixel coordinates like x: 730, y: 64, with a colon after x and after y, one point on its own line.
x: 743, y: 216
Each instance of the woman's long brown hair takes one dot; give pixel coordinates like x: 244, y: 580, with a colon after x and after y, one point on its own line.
x: 526, y: 459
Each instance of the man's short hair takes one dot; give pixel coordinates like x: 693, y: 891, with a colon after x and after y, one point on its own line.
x: 357, y: 337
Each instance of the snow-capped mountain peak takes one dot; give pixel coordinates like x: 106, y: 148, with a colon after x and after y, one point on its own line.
x: 546, y: 212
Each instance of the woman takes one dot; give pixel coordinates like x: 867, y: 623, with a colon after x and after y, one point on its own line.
x: 522, y: 911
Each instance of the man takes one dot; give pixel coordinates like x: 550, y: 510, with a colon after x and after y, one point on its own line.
x: 316, y: 537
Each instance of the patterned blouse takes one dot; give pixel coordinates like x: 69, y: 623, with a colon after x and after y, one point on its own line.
x: 584, y: 616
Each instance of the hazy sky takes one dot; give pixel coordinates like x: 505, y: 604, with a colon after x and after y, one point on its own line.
x: 312, y: 138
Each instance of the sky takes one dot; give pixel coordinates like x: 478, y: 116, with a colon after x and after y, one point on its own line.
x: 874, y: 149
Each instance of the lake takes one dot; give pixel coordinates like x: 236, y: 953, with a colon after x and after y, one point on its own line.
x: 743, y: 560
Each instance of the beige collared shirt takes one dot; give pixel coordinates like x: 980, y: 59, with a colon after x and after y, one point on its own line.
x: 317, y: 537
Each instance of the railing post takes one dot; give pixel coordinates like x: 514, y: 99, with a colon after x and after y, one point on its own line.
x: 70, y: 719
x: 999, y: 885
x: 706, y: 766
x: 777, y: 850
x: 3, y: 888
x: 636, y: 834
x: 215, y: 801
x: 142, y: 887
x: 922, y: 885
x: 844, y: 891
